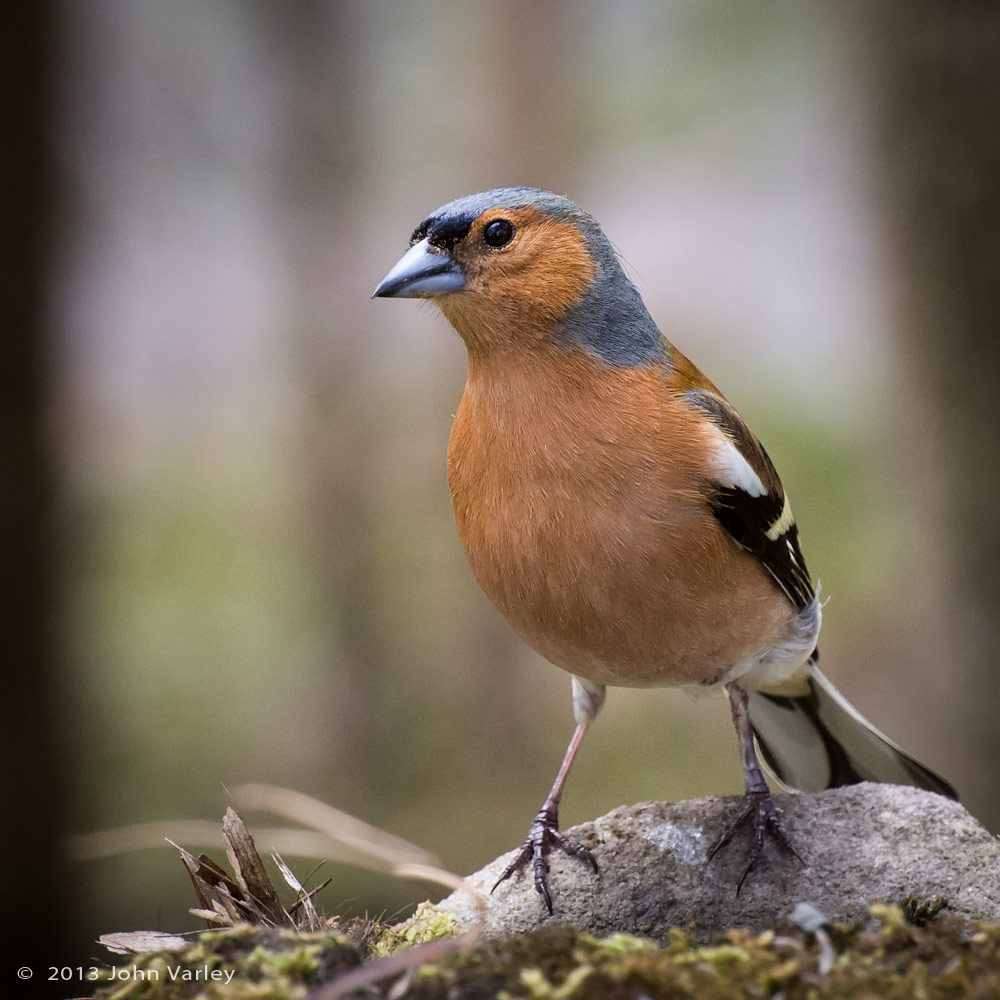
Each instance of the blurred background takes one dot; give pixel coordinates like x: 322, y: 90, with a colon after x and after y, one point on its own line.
x: 228, y: 534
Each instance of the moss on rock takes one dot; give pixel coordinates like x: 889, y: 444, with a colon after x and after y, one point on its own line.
x: 888, y: 956
x: 239, y: 963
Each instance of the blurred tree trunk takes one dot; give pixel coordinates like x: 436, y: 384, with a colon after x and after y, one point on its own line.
x: 323, y: 52
x: 939, y: 68
x: 330, y: 149
x: 37, y: 901
x: 532, y: 92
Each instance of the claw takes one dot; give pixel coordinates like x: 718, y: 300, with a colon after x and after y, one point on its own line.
x: 760, y: 809
x: 543, y: 837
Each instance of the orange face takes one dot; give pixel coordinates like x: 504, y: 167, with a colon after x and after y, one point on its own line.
x: 517, y: 291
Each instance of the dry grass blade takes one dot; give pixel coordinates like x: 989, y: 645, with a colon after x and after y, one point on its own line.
x: 249, y: 869
x: 304, y: 902
x: 307, y: 897
x: 430, y: 873
x: 223, y: 901
x: 334, y: 836
x: 289, y: 841
x: 216, y: 917
x: 138, y: 942
x: 383, y: 851
x: 139, y: 836
x: 211, y: 886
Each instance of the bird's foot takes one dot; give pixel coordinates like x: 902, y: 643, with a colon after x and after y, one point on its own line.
x: 543, y: 837
x: 763, y: 817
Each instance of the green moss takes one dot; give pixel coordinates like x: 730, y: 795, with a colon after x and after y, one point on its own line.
x: 886, y: 957
x: 890, y: 956
x: 428, y: 923
x: 241, y: 963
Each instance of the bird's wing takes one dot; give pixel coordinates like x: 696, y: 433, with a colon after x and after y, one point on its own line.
x: 749, y: 500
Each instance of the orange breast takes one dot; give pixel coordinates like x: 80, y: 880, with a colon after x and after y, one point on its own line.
x: 580, y: 502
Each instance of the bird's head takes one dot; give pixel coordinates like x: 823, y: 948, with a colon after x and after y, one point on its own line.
x: 516, y: 267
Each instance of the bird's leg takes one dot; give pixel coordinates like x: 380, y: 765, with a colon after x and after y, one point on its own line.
x: 544, y: 835
x: 759, y: 811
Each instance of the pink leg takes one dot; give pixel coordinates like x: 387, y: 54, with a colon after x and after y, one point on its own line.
x: 544, y: 835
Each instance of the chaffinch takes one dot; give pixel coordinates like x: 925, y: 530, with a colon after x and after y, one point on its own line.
x: 619, y: 512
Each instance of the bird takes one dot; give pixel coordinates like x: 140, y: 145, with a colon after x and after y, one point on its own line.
x: 619, y: 512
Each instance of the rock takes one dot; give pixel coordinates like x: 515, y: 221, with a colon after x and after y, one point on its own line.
x: 861, y: 844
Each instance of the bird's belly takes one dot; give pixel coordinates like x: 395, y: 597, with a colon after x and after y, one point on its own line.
x: 617, y: 592
x: 582, y: 506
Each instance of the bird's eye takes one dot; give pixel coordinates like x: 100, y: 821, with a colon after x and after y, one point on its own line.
x: 498, y: 233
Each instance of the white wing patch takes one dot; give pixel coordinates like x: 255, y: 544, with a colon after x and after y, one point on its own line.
x: 733, y: 469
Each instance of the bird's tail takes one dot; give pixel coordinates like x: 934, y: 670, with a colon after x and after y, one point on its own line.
x: 818, y: 740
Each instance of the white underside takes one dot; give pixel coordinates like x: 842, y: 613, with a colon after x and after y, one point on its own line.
x: 778, y: 663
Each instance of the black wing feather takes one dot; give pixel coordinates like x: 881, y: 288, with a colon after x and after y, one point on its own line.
x: 749, y: 518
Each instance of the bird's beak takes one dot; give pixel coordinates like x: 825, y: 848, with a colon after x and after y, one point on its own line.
x: 421, y: 273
